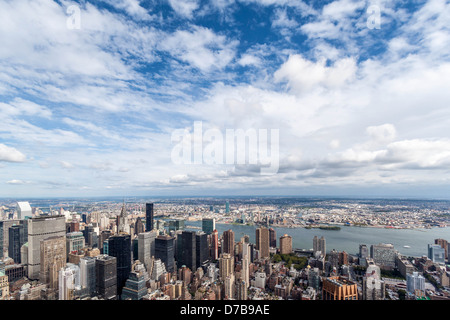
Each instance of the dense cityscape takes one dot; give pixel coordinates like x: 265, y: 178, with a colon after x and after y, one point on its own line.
x: 171, y: 249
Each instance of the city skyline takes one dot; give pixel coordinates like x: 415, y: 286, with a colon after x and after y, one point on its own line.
x: 92, y: 94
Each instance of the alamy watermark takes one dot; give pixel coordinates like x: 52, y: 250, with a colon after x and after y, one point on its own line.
x: 258, y: 147
x: 73, y: 22
x: 374, y: 19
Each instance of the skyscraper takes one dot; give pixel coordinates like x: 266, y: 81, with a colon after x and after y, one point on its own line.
x: 383, y: 255
x: 187, y: 256
x: 87, y: 274
x: 262, y: 242
x: 436, y: 253
x: 15, y: 242
x: 146, y: 248
x: 272, y: 238
x: 24, y: 210
x: 415, y: 281
x: 42, y: 228
x: 120, y: 248
x: 53, y: 258
x: 165, y: 250
x: 74, y: 241
x: 149, y: 217
x: 106, y: 276
x: 208, y: 225
x: 444, y: 244
x: 214, y: 245
x: 285, y: 244
x: 202, y: 248
x: 228, y: 242
x: 319, y: 245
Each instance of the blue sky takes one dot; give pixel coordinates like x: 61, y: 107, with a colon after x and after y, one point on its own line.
x: 90, y: 108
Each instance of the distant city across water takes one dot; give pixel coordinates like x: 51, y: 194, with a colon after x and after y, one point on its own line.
x: 348, y: 238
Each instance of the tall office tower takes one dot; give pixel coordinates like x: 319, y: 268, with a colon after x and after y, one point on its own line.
x: 42, y: 228
x: 214, y: 245
x: 53, y: 258
x: 229, y: 287
x: 24, y: 210
x: 208, y: 225
x: 339, y: 288
x: 383, y: 255
x: 436, y: 253
x: 202, y: 248
x: 106, y: 277
x: 66, y: 280
x: 245, y: 271
x: 285, y: 244
x: 16, y: 240
x: 373, y: 288
x: 87, y: 275
x: 157, y: 270
x: 262, y: 242
x: 363, y: 251
x: 135, y: 288
x: 228, y: 242
x: 146, y: 248
x: 226, y: 265
x: 104, y: 235
x: 444, y: 244
x: 227, y: 207
x: 272, y: 238
x: 334, y: 259
x: 88, y: 235
x: 165, y: 250
x: 343, y: 258
x: 149, y: 217
x: 74, y: 241
x: 139, y: 226
x: 187, y: 254
x: 120, y: 248
x: 319, y: 245
x: 415, y: 282
x: 4, y: 236
x: 122, y: 221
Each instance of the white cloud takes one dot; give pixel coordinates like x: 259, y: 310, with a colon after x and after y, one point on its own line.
x: 10, y: 154
x: 184, y: 8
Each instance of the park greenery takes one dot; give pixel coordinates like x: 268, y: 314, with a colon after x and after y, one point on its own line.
x: 291, y: 259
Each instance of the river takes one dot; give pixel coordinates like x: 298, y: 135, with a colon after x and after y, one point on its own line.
x: 349, y: 237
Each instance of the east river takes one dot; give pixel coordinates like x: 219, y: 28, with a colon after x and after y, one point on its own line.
x: 348, y: 238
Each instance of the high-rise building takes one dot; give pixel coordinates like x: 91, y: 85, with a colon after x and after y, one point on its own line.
x: 122, y: 221
x: 146, y: 247
x: 139, y: 226
x: 373, y: 288
x: 208, y: 225
x: 214, y: 245
x: 228, y: 242
x: 24, y: 210
x: 165, y: 250
x: 226, y: 265
x: 202, y: 248
x: 42, y: 228
x: 245, y: 271
x: 106, y: 277
x: 272, y: 238
x: 188, y: 252
x: 262, y: 242
x: 87, y: 275
x: 444, y: 244
x: 339, y: 288
x: 285, y: 244
x: 53, y: 258
x: 415, y: 282
x: 120, y: 248
x: 149, y: 217
x: 74, y: 241
x: 227, y: 207
x: 383, y: 255
x: 16, y: 240
x: 66, y: 283
x: 135, y: 288
x: 4, y: 236
x: 319, y: 245
x: 104, y: 235
x: 436, y: 253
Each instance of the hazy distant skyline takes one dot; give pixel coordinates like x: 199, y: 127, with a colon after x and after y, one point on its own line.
x: 89, y: 102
